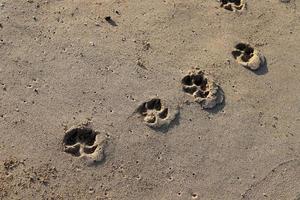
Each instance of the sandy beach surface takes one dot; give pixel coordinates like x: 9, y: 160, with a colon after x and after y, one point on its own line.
x: 150, y: 99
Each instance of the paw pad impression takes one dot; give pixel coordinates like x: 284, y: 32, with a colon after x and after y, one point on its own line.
x: 84, y: 142
x: 205, y: 91
x: 248, y: 57
x: 233, y: 5
x: 156, y: 114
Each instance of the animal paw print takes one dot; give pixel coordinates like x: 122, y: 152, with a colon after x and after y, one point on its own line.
x: 155, y: 113
x: 233, y: 5
x: 84, y: 142
x: 204, y: 90
x: 248, y: 57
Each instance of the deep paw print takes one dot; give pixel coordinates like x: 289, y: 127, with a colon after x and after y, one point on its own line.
x: 84, y: 142
x: 156, y: 114
x: 248, y: 57
x: 233, y: 5
x: 205, y: 91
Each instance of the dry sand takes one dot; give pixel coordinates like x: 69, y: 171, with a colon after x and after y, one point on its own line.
x: 67, y: 62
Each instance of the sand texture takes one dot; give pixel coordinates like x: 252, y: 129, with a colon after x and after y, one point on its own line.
x: 150, y: 99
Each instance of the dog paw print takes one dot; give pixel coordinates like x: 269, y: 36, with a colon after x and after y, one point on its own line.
x: 205, y: 91
x: 84, y: 142
x: 156, y: 114
x: 233, y: 5
x: 248, y: 57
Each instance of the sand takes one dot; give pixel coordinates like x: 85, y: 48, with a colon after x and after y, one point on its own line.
x: 93, y: 65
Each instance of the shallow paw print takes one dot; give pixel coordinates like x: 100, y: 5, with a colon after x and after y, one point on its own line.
x: 205, y: 91
x: 233, y: 5
x: 84, y: 142
x: 156, y: 114
x: 248, y: 57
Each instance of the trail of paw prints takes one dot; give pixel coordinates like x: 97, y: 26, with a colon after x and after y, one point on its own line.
x: 233, y: 5
x: 248, y: 57
x: 156, y: 114
x: 205, y: 91
x: 83, y: 142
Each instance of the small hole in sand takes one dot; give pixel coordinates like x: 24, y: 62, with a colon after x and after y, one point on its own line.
x: 236, y: 54
x: 228, y: 7
x: 204, y: 85
x: 71, y: 137
x: 190, y: 90
x: 87, y: 136
x: 81, y: 135
x: 187, y: 80
x: 249, y: 50
x: 154, y: 104
x: 90, y: 150
x: 198, y: 80
x: 202, y: 94
x: 236, y: 2
x: 73, y: 150
x: 143, y: 109
x: 163, y: 114
x: 246, y: 57
x: 239, y: 7
x: 241, y: 46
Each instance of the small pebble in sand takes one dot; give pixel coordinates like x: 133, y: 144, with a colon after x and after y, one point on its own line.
x: 146, y: 46
x: 265, y: 195
x: 140, y: 64
x: 110, y: 21
x: 194, y: 196
x: 91, y: 190
x: 108, y: 18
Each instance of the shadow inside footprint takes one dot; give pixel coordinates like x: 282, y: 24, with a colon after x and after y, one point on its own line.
x: 166, y: 127
x: 218, y: 107
x: 263, y: 69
